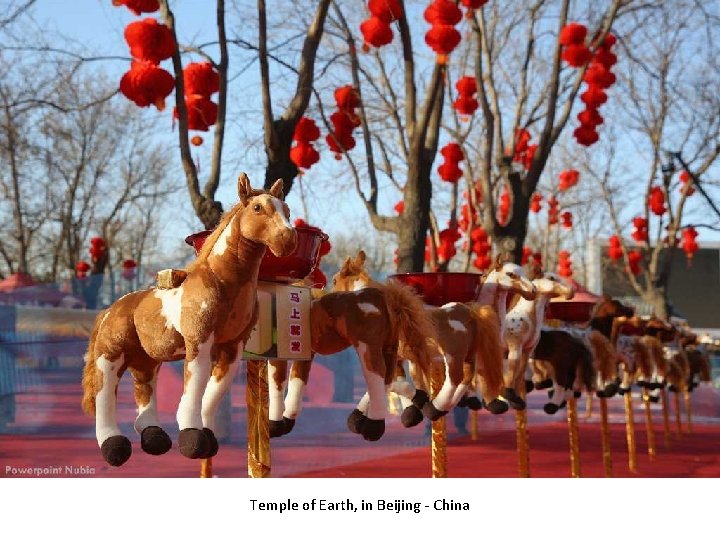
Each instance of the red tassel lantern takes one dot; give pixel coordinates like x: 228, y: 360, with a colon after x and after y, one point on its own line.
x: 442, y: 37
x: 568, y: 179
x: 304, y: 155
x: 138, y: 6
x: 634, y: 258
x: 552, y: 211
x: 201, y: 78
x: 147, y: 84
x: 593, y: 97
x: 399, y: 207
x: 564, y: 264
x: 640, y: 231
x: 535, y: 202
x: 376, y: 32
x: 201, y: 112
x: 466, y: 104
x: 150, y: 40
x: 599, y: 76
x: 656, y: 201
x: 450, y: 171
x: 572, y: 34
x: 576, y: 55
x: 386, y: 10
x: 615, y: 249
x: 687, y: 187
x: 586, y: 135
x: 567, y: 219
x: 689, y: 244
x: 590, y: 117
x: 81, y: 270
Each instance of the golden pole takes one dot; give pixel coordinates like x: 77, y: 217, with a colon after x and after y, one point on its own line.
x: 666, y: 418
x: 688, y: 411
x: 574, y: 438
x: 439, y: 434
x: 678, y: 418
x: 589, y: 405
x: 473, y: 425
x: 648, y: 425
x: 630, y: 433
x: 521, y: 436
x: 258, y: 417
x: 605, y: 435
x: 206, y: 468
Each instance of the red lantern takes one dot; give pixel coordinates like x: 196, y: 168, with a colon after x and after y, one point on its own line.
x: 466, y: 86
x: 605, y: 57
x: 689, y: 244
x: 504, y: 206
x: 201, y: 78
x: 634, y: 258
x: 573, y: 34
x: 466, y: 105
x: 640, y: 231
x: 442, y: 39
x: 201, y: 112
x: 450, y: 172
x: 598, y: 75
x: 138, y: 6
x: 526, y: 254
x: 529, y: 156
x: 535, y: 201
x: 586, y: 135
x: 468, y: 216
x: 128, y: 271
x: 567, y: 219
x: 568, y: 179
x: 656, y: 201
x: 590, y: 117
x: 386, y: 10
x: 687, y: 185
x: 474, y: 4
x: 552, y: 211
x: 81, y: 269
x: 150, y: 40
x: 615, y: 249
x: 399, y: 207
x: 376, y: 32
x: 593, y: 97
x: 347, y: 99
x: 306, y: 130
x: 147, y: 84
x: 564, y: 264
x: 576, y: 55
x: 443, y: 12
x: 452, y: 152
x: 482, y: 263
x: 303, y: 155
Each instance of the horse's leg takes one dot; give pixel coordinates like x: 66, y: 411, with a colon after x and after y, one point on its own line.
x: 626, y: 382
x: 412, y: 414
x: 529, y: 385
x: 557, y: 398
x: 357, y: 417
x: 443, y: 401
x: 373, y: 366
x: 510, y: 393
x: 472, y: 396
x: 299, y: 376
x: 193, y: 440
x: 277, y: 382
x: 153, y: 438
x: 115, y: 447
x: 541, y: 379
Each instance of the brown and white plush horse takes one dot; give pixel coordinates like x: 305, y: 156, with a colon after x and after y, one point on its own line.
x: 523, y: 323
x: 468, y: 341
x: 206, y: 320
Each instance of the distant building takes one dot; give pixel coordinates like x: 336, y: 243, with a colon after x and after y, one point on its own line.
x: 693, y: 290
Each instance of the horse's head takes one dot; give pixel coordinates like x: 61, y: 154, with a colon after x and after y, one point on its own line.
x: 352, y: 275
x: 552, y: 286
x: 511, y: 277
x: 264, y: 217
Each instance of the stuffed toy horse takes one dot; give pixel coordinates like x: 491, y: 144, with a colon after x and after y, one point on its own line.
x: 206, y: 320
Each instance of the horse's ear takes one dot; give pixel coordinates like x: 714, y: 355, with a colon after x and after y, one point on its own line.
x: 277, y: 189
x: 345, y: 264
x: 244, y: 188
x: 498, y: 262
x: 360, y: 258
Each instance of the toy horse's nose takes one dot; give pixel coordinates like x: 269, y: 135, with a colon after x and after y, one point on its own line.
x: 286, y: 242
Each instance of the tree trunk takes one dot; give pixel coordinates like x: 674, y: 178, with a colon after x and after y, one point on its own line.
x: 656, y: 298
x: 279, y: 163
x: 510, y: 237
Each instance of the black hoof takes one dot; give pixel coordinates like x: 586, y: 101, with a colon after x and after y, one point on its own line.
x: 289, y: 424
x: 154, y: 441
x: 655, y: 386
x: 642, y: 384
x: 611, y: 389
x: 542, y: 385
x: 497, y: 406
x: 550, y: 408
x: 116, y: 450
x: 563, y: 404
x: 277, y: 428
x: 474, y: 404
x: 529, y: 387
x: 463, y: 402
x: 515, y: 401
x: 654, y: 399
x: 576, y: 394
x: 622, y: 390
x: 355, y: 421
x: 431, y: 413
x: 372, y: 430
x: 411, y: 416
x: 193, y: 443
x: 213, y: 445
x: 420, y: 398
x: 601, y: 394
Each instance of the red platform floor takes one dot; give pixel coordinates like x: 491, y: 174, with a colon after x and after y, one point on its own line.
x: 51, y: 432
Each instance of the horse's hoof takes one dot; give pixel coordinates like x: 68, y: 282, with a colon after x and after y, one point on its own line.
x: 154, y: 441
x: 550, y: 408
x: 474, y: 404
x: 611, y: 389
x: 289, y: 424
x: 542, y: 385
x: 497, y: 406
x: 622, y: 390
x: 420, y: 398
x: 601, y: 394
x: 642, y: 384
x: 277, y: 428
x: 355, y: 421
x: 431, y: 413
x: 372, y: 430
x: 655, y: 386
x: 672, y: 388
x: 411, y: 416
x: 515, y: 401
x: 576, y: 394
x: 529, y: 386
x: 193, y: 443
x: 213, y: 446
x: 563, y: 404
x: 463, y: 402
x: 116, y: 450
x: 654, y: 399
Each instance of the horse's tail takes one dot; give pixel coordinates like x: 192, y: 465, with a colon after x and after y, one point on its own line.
x: 487, y: 350
x: 89, y: 378
x: 643, y: 361
x: 604, y: 354
x: 654, y: 346
x: 705, y: 367
x: 413, y: 323
x: 586, y: 370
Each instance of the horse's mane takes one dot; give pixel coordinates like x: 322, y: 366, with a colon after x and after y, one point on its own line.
x: 225, y: 220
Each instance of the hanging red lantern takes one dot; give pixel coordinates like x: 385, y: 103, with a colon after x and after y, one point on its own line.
x: 656, y: 201
x: 572, y: 34
x: 526, y: 254
x: 446, y: 249
x: 598, y: 75
x: 605, y: 57
x: 586, y: 135
x: 465, y: 105
x: 615, y: 249
x: 468, y: 216
x: 640, y: 231
x: 504, y: 206
x: 529, y: 156
x: 443, y: 12
x: 399, y: 207
x: 450, y: 172
x: 576, y: 55
x: 138, y: 6
x: 306, y: 130
x: 201, y: 78
x: 303, y: 155
x: 98, y: 247
x: 564, y: 264
x: 590, y: 117
x: 687, y: 184
x: 689, y: 245
x: 452, y: 152
x: 482, y: 263
x: 634, y: 259
x: 201, y: 112
x: 376, y: 32
x: 568, y: 179
x: 466, y: 86
x: 147, y: 84
x: 535, y: 202
x: 347, y: 100
x: 386, y: 10
x: 149, y: 40
x: 552, y: 210
x: 567, y: 219
x: 593, y: 97
x: 442, y: 39
x: 128, y: 271
x: 81, y: 269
